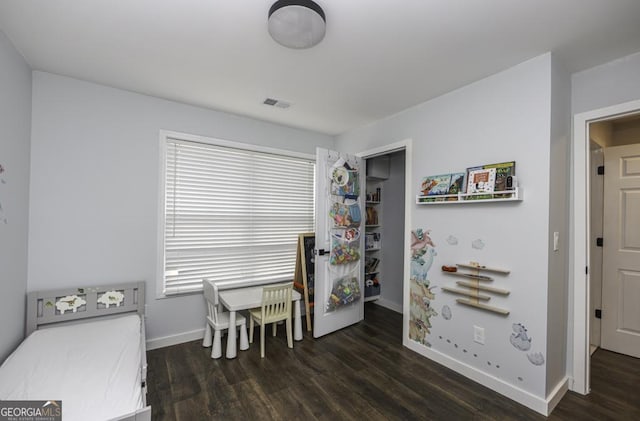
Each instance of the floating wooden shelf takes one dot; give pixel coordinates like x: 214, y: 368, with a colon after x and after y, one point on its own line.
x: 471, y: 276
x: 484, y: 268
x: 516, y: 195
x: 483, y: 306
x: 475, y: 286
x: 473, y: 294
x: 483, y: 287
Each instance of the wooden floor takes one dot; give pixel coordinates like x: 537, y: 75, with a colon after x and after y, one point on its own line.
x: 361, y: 372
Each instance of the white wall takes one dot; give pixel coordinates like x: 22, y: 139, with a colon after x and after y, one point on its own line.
x: 393, y: 234
x: 557, y: 299
x: 608, y: 84
x: 501, y: 118
x: 15, y: 120
x: 94, y: 186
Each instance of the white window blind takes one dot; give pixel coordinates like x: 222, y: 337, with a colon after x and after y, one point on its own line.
x: 232, y: 214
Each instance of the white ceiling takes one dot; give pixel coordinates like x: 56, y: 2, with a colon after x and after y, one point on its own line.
x: 377, y: 59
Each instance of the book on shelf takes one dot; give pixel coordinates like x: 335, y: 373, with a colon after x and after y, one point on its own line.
x: 374, y: 196
x: 503, y: 171
x: 434, y: 185
x: 372, y: 240
x: 456, y: 185
x: 371, y: 264
x: 480, y: 181
x: 372, y: 216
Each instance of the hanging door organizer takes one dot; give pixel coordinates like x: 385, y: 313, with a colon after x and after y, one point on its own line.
x: 345, y: 219
x: 475, y: 285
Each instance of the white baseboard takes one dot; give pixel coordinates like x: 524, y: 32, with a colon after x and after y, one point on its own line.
x: 176, y: 339
x: 389, y: 304
x: 536, y: 403
x: 557, y: 393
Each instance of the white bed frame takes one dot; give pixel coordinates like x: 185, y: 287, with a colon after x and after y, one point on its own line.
x: 42, y: 312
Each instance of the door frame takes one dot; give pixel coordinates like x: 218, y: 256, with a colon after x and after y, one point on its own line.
x: 579, y: 276
x: 405, y: 145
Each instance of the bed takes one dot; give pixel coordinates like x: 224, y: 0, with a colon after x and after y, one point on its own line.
x: 86, y: 348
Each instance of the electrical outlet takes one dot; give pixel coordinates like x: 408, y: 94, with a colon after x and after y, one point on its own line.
x: 478, y: 334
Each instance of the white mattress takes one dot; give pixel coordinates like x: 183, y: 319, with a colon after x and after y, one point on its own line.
x: 94, y: 368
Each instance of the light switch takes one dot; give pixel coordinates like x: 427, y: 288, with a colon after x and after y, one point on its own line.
x: 556, y: 240
x: 478, y: 334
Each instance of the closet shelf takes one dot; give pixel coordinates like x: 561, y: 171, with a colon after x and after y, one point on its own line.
x: 374, y: 220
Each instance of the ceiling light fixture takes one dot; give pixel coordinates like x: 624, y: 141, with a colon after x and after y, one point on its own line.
x: 296, y: 23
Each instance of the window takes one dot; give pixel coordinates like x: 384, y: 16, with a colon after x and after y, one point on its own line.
x: 231, y: 213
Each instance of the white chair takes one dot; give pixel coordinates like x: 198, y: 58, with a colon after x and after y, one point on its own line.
x: 276, y: 306
x: 219, y: 321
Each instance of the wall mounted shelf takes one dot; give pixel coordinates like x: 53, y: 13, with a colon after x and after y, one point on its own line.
x: 483, y: 268
x: 483, y: 288
x: 472, y: 276
x: 516, y: 195
x: 483, y: 306
x: 467, y: 293
x: 474, y: 287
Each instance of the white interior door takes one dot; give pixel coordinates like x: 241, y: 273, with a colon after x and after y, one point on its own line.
x: 621, y: 276
x: 339, y: 288
x: 596, y: 210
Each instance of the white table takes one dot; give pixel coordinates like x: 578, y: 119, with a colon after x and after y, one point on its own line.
x: 246, y: 298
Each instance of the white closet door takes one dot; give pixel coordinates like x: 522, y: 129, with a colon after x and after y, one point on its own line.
x: 339, y: 287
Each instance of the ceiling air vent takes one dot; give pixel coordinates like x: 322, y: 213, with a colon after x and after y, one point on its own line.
x: 276, y: 103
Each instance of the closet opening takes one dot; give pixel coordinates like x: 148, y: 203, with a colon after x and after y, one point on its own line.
x: 385, y: 230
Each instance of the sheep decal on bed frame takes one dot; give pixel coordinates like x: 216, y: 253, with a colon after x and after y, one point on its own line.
x: 111, y: 298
